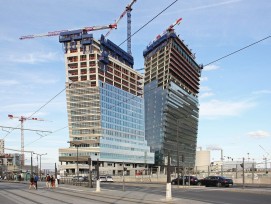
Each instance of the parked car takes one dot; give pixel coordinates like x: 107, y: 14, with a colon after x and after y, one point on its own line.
x: 185, y: 179
x: 78, y: 178
x: 106, y: 179
x: 216, y: 181
x: 109, y: 179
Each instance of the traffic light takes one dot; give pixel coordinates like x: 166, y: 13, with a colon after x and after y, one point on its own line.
x: 242, y: 165
x: 125, y: 169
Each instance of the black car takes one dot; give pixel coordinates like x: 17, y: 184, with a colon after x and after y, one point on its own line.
x: 185, y: 180
x: 215, y: 181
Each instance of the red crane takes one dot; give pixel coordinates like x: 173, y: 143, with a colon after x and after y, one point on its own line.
x: 170, y: 28
x: 56, y: 33
x: 22, y: 119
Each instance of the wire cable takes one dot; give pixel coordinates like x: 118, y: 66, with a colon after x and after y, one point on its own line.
x: 149, y: 22
x: 238, y: 50
x: 126, y: 100
x: 46, y: 135
x: 150, y: 89
x: 119, y: 45
x: 37, y: 111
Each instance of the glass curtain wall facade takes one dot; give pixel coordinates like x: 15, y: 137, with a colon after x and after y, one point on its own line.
x: 171, y: 105
x: 123, y: 135
x: 105, y: 106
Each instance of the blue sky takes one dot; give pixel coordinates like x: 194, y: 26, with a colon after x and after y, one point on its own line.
x: 235, y: 92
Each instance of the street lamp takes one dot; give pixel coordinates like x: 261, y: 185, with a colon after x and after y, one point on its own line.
x: 40, y: 161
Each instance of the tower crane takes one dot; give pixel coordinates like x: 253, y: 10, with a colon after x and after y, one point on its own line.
x: 56, y: 33
x: 127, y: 10
x: 170, y: 28
x: 22, y: 119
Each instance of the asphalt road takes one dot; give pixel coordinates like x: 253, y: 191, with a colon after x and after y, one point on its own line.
x: 15, y: 193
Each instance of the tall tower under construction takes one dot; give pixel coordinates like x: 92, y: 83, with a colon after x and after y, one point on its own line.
x: 171, y: 90
x: 105, y: 107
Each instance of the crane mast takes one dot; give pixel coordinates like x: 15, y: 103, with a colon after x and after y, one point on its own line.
x: 22, y: 119
x: 127, y: 10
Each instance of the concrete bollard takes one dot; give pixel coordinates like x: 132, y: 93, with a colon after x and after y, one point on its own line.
x: 98, y: 189
x: 168, y: 192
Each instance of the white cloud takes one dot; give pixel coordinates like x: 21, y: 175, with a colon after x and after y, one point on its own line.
x: 211, y: 67
x: 27, y: 108
x: 262, y: 92
x: 33, y: 58
x: 216, y: 108
x: 203, y: 79
x: 8, y: 82
x: 213, y: 5
x: 259, y: 134
x: 214, y: 147
x: 205, y: 88
x: 207, y: 94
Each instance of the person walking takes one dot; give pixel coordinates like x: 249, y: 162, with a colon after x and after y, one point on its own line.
x: 52, y: 181
x: 58, y: 179
x: 32, y: 183
x: 48, y: 181
x: 36, y: 178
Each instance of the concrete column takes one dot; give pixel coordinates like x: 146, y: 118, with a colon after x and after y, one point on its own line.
x: 168, y: 192
x: 98, y: 188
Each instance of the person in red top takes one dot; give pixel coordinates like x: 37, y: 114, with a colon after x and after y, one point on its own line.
x: 52, y: 181
x: 32, y: 183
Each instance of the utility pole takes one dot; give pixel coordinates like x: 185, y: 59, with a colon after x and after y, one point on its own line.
x: 55, y: 172
x: 243, y: 172
x: 40, y: 162
x: 178, y: 156
x: 168, y: 188
x: 265, y: 164
x: 98, y: 189
x: 123, y: 181
x: 39, y: 172
x: 221, y: 162
x: 90, y: 172
x: 31, y: 173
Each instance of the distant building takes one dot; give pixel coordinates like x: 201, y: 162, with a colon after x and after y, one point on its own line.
x: 105, y: 107
x: 203, y: 160
x: 171, y: 88
x: 2, y: 146
x: 10, y: 162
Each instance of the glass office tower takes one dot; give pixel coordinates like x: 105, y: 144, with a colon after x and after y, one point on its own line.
x: 171, y: 90
x: 105, y: 107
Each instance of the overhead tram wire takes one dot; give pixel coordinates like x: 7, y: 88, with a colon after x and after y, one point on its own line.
x: 149, y: 22
x: 153, y: 89
x: 150, y: 89
x: 119, y: 45
x: 238, y: 50
x: 37, y: 110
x: 46, y: 135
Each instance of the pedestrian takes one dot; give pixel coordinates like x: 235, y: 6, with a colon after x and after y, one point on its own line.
x: 32, y: 184
x: 52, y: 181
x: 48, y: 181
x: 58, y: 179
x: 36, y: 178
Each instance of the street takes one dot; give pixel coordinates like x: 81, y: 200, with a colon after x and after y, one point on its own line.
x: 15, y: 193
